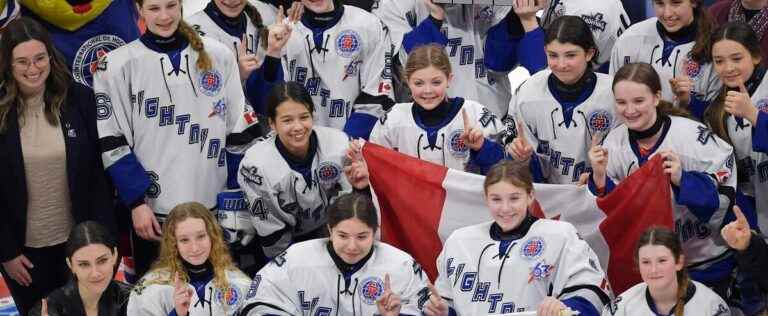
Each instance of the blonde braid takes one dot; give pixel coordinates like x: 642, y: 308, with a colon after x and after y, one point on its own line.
x: 203, y: 60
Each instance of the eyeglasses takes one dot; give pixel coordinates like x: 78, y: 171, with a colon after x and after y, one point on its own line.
x: 39, y: 61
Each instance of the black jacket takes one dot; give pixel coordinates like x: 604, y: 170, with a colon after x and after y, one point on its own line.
x: 88, y: 188
x: 66, y: 301
x: 753, y: 261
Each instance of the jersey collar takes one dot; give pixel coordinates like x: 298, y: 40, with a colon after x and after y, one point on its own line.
x: 689, y: 292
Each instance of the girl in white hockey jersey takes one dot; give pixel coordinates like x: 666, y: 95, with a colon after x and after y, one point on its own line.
x: 700, y: 166
x: 516, y: 263
x: 675, y: 44
x: 168, y: 104
x: 194, y: 275
x: 341, y: 54
x: 348, y: 273
x: 435, y: 127
x: 666, y: 288
x: 292, y: 176
x: 483, y: 42
x: 558, y: 111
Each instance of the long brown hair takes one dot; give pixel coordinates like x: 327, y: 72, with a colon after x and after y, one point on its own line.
x: 170, y: 260
x: 704, y: 25
x: 715, y: 115
x: 56, y: 85
x: 644, y: 74
x: 662, y: 236
x: 194, y: 39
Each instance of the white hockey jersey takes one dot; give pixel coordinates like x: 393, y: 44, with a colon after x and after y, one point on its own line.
x: 562, y: 148
x: 207, y: 26
x: 466, y: 27
x: 634, y: 302
x: 293, y: 285
x: 752, y: 163
x: 153, y: 295
x: 399, y: 130
x: 281, y: 201
x: 170, y: 124
x: 550, y: 260
x: 699, y: 150
x: 643, y: 43
x: 351, y: 60
x: 607, y: 19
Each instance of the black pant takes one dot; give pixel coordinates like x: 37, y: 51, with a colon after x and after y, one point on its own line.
x: 50, y: 272
x: 145, y: 253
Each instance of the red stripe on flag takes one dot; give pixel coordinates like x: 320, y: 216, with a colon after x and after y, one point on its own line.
x: 642, y: 200
x: 413, y: 203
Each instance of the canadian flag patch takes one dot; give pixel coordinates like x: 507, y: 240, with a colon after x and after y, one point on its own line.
x: 250, y: 117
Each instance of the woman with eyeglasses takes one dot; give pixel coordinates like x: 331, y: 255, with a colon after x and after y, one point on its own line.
x: 49, y: 163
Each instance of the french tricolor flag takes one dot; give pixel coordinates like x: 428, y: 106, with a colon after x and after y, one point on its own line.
x: 422, y: 203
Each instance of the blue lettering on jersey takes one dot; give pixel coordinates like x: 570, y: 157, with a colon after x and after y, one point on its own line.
x: 689, y: 229
x: 222, y: 158
x: 468, y: 281
x: 301, y: 74
x: 337, y: 108
x: 481, y: 292
x: 181, y: 121
x: 166, y: 115
x: 323, y: 311
x: 762, y: 170
x: 305, y: 304
x: 558, y: 161
x: 150, y: 107
x: 467, y: 55
x: 580, y: 168
x: 154, y: 189
x: 325, y: 94
x: 194, y: 133
x: 481, y: 71
x: 453, y: 46
x: 494, y: 300
x: 203, y: 138
x: 313, y: 84
x: 213, y: 148
x: 103, y: 106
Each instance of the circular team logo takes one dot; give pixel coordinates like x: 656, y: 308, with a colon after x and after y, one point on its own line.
x: 348, y: 43
x: 600, y: 121
x: 456, y: 145
x: 210, y: 82
x: 371, y: 290
x: 762, y: 105
x: 692, y: 68
x: 329, y: 172
x: 230, y: 297
x: 86, y: 61
x: 532, y: 248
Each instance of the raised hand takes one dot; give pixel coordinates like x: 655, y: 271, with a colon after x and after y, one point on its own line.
x: 389, y: 303
x: 737, y: 233
x: 682, y: 87
x: 356, y: 170
x: 551, y: 306
x: 472, y: 136
x: 526, y: 11
x: 436, y: 305
x: 182, y: 296
x: 672, y: 166
x: 435, y: 10
x: 280, y: 31
x: 145, y: 223
x: 598, y: 158
x: 738, y: 103
x: 519, y: 148
x: 44, y: 307
x: 246, y: 62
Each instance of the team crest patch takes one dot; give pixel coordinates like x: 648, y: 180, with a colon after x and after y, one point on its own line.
x: 348, y: 43
x: 219, y: 108
x: 230, y: 297
x: 762, y: 105
x: 540, y: 272
x: 456, y: 145
x: 371, y: 290
x: 533, y: 248
x: 328, y: 172
x: 88, y: 57
x: 692, y: 68
x: 210, y: 82
x: 600, y: 121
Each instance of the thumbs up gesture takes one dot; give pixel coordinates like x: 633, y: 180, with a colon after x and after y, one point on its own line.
x: 737, y: 233
x: 520, y: 149
x: 738, y: 103
x: 472, y: 136
x: 182, y: 296
x: 389, y: 303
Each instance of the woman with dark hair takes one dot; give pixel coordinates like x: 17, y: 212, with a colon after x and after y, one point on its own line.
x: 293, y: 175
x: 370, y: 277
x: 48, y: 159
x: 752, y: 12
x: 699, y: 165
x: 91, y: 254
x: 172, y: 121
x: 666, y: 288
x: 517, y: 262
x: 557, y: 112
x: 674, y: 42
x: 194, y: 274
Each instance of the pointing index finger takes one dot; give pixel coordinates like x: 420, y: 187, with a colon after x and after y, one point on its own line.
x: 596, y: 137
x: 387, y: 284
x: 241, y: 47
x: 465, y: 117
x: 740, y: 218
